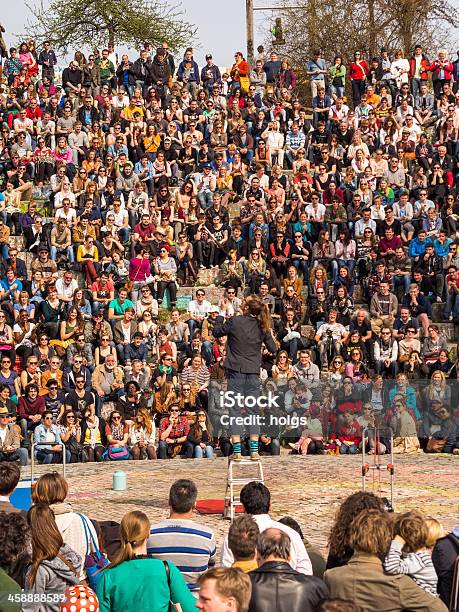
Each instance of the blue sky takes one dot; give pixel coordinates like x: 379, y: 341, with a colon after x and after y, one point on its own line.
x: 221, y: 25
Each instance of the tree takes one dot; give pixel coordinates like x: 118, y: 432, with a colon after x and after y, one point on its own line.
x: 69, y: 24
x: 344, y: 26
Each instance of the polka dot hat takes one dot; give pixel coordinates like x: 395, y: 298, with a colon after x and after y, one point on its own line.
x: 80, y: 598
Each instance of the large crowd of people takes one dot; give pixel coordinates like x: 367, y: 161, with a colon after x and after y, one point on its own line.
x: 375, y: 561
x: 129, y: 185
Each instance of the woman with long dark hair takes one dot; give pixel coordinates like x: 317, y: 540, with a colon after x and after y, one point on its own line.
x: 245, y: 336
x: 201, y: 435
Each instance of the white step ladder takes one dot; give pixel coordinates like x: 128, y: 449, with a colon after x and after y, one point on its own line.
x: 237, y: 479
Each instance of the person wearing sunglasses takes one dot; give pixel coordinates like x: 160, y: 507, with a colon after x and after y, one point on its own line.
x: 173, y: 435
x: 200, y: 436
x: 10, y: 441
x: 404, y: 427
x: 166, y: 268
x: 49, y: 445
x: 117, y: 432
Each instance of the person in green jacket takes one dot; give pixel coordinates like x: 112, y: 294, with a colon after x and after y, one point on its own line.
x: 138, y: 583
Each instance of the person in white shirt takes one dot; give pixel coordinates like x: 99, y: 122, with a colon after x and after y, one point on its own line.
x: 333, y: 333
x: 198, y: 309
x: 365, y: 222
x: 66, y: 286
x: 315, y: 210
x: 256, y: 499
x: 275, y: 142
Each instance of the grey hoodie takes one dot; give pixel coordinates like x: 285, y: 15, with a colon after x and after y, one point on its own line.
x: 54, y: 576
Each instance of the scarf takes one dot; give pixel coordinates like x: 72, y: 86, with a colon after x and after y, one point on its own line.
x: 93, y: 429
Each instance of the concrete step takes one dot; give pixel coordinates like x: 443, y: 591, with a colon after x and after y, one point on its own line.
x: 437, y: 312
x: 207, y: 277
x: 448, y: 330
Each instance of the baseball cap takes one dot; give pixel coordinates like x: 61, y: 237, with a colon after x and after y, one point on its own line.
x: 208, y: 56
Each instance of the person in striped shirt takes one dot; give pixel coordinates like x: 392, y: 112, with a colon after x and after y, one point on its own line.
x: 188, y: 544
x: 408, y: 552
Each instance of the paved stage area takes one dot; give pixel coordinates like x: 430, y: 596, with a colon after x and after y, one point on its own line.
x: 309, y: 489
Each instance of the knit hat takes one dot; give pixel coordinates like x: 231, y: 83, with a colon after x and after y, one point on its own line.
x: 80, y: 598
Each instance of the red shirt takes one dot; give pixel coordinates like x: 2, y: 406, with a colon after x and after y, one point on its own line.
x: 358, y: 72
x: 103, y: 292
x: 385, y: 244
x: 145, y: 232
x: 34, y: 115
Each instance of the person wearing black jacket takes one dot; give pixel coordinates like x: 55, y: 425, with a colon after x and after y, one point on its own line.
x: 444, y: 556
x: 160, y: 71
x: 245, y: 336
x: 431, y: 267
x: 169, y: 57
x: 34, y: 235
x: 47, y: 60
x: 210, y: 74
x: 125, y: 74
x: 236, y: 242
x: 141, y: 70
x: 17, y: 264
x: 72, y: 78
x: 276, y: 585
x: 88, y: 107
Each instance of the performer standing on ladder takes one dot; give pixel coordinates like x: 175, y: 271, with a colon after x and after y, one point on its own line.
x: 246, y: 334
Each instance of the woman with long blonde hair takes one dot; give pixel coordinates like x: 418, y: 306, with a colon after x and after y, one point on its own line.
x: 142, y: 435
x: 126, y: 584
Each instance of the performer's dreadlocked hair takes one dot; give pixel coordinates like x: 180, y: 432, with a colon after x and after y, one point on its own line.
x: 260, y: 311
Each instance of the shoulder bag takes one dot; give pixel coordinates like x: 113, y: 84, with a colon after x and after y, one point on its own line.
x: 173, y: 607
x: 95, y: 560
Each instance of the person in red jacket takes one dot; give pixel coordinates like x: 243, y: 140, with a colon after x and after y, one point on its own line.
x: 442, y: 71
x: 349, y: 434
x: 419, y: 67
x: 240, y: 69
x: 358, y: 72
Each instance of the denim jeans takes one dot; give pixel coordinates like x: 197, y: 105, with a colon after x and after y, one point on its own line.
x: 302, y: 266
x: 193, y: 325
x: 402, y: 279
x: 351, y: 450
x: 207, y: 452
x: 68, y: 252
x: 20, y: 454
x: 452, y: 304
x: 336, y: 264
x: 187, y: 449
x: 206, y: 198
x: 46, y: 457
x: 207, y: 352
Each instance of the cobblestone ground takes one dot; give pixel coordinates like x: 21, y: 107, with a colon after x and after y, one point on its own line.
x: 310, y: 489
